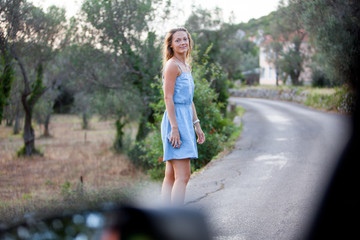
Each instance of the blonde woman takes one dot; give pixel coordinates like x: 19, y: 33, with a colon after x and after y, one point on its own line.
x: 180, y: 118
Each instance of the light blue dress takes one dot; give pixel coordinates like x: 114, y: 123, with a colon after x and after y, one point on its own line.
x: 183, y: 98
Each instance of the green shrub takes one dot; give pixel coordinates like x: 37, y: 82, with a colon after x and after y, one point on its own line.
x: 215, y: 75
x: 147, y: 154
x: 345, y: 99
x: 21, y: 152
x: 342, y: 101
x: 319, y: 79
x: 6, y: 79
x: 66, y: 188
x: 26, y: 196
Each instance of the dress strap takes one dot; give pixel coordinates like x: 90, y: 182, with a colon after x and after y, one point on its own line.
x: 178, y: 66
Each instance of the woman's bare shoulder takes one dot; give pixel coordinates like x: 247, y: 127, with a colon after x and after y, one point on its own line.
x: 171, y: 67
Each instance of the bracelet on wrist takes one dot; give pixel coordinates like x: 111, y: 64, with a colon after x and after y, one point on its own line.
x: 196, y: 121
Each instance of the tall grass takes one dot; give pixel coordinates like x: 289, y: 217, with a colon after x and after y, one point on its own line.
x: 341, y: 100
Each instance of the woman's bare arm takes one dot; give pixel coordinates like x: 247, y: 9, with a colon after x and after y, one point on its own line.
x: 198, y: 130
x: 195, y: 117
x: 170, y: 73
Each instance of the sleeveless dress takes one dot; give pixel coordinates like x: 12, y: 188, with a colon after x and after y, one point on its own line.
x: 183, y: 98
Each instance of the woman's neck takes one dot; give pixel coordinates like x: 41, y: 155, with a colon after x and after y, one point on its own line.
x: 180, y: 57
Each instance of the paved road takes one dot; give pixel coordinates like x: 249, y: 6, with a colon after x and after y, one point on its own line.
x: 267, y: 187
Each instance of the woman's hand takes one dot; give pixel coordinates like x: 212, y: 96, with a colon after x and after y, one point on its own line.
x: 175, y: 138
x: 199, y: 133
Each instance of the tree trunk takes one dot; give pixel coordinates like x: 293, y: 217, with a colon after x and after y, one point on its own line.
x: 35, y: 94
x: 85, y: 121
x: 9, y: 122
x: 295, y: 78
x: 29, y: 135
x: 143, y: 130
x: 17, y: 120
x: 118, y: 143
x: 46, y: 126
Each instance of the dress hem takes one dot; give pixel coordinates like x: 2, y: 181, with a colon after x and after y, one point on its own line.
x: 180, y: 158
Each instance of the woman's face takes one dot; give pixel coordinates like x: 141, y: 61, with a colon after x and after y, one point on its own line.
x: 180, y: 42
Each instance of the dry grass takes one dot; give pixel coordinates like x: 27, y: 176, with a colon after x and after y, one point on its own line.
x: 69, y: 154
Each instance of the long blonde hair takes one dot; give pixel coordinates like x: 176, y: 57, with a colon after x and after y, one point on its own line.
x: 168, y: 52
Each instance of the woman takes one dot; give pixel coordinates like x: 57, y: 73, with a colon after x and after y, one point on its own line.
x: 180, y: 119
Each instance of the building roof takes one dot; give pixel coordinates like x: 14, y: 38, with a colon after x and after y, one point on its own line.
x: 268, y: 38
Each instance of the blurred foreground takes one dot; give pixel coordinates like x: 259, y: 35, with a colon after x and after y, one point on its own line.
x: 126, y: 223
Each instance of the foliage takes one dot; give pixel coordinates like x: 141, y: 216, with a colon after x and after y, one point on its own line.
x: 346, y: 99
x: 13, y: 111
x: 287, y: 34
x: 52, y: 78
x: 334, y: 27
x: 229, y: 48
x: 122, y: 31
x: 148, y: 153
x: 43, y: 109
x: 339, y: 99
x: 215, y: 75
x: 82, y: 106
x: 203, y: 19
x: 33, y: 37
x: 37, y: 87
x: 6, y: 79
x: 22, y: 152
x: 322, y: 74
x: 342, y: 101
x: 291, y: 64
x: 319, y: 78
x: 259, y: 26
x: 120, y: 105
x: 118, y: 142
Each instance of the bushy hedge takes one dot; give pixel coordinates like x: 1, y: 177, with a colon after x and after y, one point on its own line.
x: 319, y: 79
x: 148, y: 153
x: 343, y: 100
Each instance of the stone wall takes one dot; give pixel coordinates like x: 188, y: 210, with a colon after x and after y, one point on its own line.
x: 294, y: 94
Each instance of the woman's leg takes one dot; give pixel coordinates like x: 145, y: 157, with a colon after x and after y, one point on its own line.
x: 168, y: 183
x: 182, y: 172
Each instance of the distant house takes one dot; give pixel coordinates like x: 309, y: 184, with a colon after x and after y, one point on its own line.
x: 267, y: 67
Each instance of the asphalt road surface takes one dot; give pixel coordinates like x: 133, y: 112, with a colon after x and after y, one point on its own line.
x: 270, y: 184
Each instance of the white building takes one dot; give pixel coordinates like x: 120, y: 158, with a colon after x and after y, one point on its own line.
x: 267, y: 67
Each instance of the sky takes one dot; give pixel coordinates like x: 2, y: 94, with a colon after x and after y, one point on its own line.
x: 243, y: 10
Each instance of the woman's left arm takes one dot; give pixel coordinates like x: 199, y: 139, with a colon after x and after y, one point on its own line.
x: 198, y: 130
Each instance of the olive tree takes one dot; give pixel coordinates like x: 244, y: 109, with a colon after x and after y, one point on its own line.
x: 6, y: 60
x: 287, y: 31
x: 34, y: 37
x: 121, y: 29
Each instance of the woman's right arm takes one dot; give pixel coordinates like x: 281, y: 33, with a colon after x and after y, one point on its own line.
x: 170, y: 73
